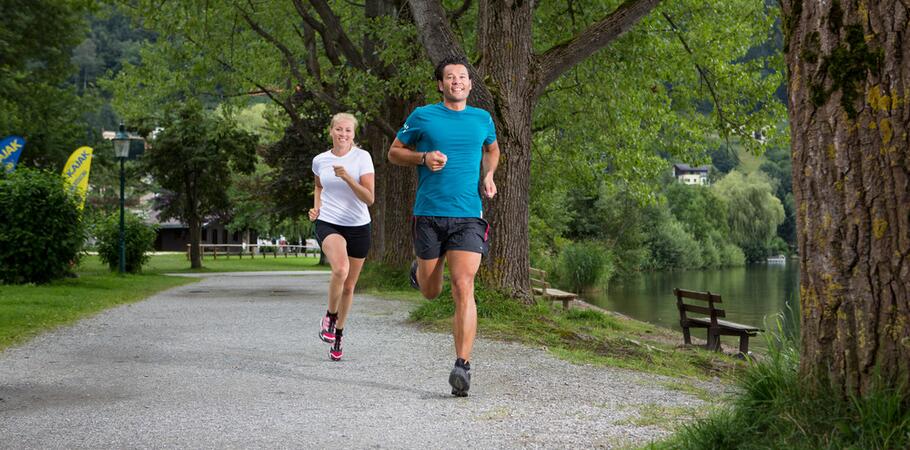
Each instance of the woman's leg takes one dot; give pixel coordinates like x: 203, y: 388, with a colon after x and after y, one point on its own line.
x: 335, y: 248
x: 347, y: 292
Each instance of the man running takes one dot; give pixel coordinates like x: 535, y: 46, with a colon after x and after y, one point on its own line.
x: 453, y: 146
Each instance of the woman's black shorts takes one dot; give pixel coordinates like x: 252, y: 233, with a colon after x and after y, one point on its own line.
x: 358, y: 238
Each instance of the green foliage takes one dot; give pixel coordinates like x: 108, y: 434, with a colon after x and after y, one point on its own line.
x: 753, y: 212
x: 35, y: 102
x: 42, y: 231
x: 732, y: 256
x: 583, y: 264
x: 193, y: 158
x: 779, y: 169
x: 671, y: 246
x: 776, y: 408
x: 138, y: 237
x: 702, y: 213
x: 643, y: 95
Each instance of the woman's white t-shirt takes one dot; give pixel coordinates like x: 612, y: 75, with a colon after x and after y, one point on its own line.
x: 339, y: 204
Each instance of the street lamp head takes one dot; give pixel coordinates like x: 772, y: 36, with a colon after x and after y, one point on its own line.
x: 122, y: 143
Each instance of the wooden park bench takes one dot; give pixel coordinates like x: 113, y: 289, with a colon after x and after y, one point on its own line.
x: 716, y: 328
x: 541, y: 287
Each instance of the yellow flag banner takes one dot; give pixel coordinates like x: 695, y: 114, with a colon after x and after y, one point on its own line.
x: 76, y: 172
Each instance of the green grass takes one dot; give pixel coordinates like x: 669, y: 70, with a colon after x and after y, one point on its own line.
x: 580, y: 336
x: 177, y: 263
x: 775, y: 408
x: 664, y: 416
x: 27, y: 310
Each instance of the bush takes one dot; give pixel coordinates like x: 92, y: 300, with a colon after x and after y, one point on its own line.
x: 583, y: 264
x: 42, y: 230
x: 710, y: 254
x: 672, y: 247
x: 138, y: 237
x: 732, y: 256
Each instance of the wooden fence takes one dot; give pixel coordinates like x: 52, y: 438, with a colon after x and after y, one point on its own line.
x: 240, y: 250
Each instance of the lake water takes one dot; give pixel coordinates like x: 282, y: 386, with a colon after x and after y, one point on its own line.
x: 750, y: 294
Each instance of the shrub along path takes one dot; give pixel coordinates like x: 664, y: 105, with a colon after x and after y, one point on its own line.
x: 234, y: 361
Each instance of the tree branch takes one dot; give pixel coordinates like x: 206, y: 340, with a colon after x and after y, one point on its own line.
x: 440, y: 43
x: 336, y: 33
x: 331, y: 50
x: 455, y: 15
x: 293, y: 66
x: 312, y: 58
x: 286, y: 105
x: 555, y: 61
x: 703, y: 74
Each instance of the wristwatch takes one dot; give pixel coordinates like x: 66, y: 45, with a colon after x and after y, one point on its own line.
x: 423, y: 159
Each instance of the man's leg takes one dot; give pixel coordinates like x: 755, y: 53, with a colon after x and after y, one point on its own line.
x: 429, y: 276
x: 463, y: 267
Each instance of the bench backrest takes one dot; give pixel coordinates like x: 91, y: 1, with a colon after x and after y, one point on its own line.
x: 538, y: 278
x: 682, y: 295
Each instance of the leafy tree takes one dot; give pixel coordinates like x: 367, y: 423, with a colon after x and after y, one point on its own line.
x: 671, y: 247
x: 724, y: 159
x: 753, y: 212
x: 192, y: 160
x: 35, y: 101
x: 310, y: 59
x: 700, y: 210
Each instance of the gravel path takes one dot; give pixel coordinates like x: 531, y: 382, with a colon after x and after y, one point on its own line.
x: 234, y: 361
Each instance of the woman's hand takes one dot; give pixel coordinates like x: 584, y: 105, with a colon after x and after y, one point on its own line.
x: 341, y: 173
x: 314, y: 213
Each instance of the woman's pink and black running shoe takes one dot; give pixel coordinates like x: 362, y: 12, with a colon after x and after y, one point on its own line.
x: 327, y: 330
x: 336, y: 353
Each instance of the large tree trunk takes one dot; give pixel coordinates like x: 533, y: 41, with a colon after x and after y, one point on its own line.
x: 849, y: 67
x: 395, y: 186
x: 505, y: 61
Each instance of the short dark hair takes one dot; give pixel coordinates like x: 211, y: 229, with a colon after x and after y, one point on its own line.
x: 451, y: 60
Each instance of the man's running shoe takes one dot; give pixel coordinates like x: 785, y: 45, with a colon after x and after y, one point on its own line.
x: 413, y: 275
x: 460, y: 379
x: 335, y: 353
x: 327, y: 330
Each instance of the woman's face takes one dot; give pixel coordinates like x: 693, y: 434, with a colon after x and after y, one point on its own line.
x: 342, y: 133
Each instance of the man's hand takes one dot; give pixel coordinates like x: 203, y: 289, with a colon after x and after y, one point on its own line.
x: 435, y: 160
x: 489, y: 186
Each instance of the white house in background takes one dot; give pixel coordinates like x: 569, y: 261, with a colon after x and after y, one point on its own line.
x: 687, y: 174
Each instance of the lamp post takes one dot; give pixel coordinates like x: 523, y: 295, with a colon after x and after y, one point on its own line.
x: 122, y: 151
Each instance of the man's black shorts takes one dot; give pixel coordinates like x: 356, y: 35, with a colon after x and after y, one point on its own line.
x: 358, y: 238
x: 433, y: 236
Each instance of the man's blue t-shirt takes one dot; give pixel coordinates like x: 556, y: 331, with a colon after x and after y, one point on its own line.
x: 460, y: 135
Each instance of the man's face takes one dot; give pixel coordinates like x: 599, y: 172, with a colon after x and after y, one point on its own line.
x: 455, y: 84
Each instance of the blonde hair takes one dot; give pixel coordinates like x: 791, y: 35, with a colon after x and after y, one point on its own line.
x: 343, y: 116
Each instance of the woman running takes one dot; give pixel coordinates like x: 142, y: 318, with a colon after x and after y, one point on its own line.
x: 345, y: 183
